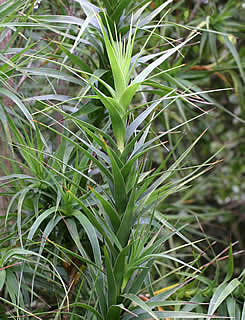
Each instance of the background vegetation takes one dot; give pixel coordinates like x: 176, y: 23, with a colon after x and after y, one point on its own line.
x: 122, y: 172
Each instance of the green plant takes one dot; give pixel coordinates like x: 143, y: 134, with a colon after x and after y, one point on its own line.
x: 86, y: 192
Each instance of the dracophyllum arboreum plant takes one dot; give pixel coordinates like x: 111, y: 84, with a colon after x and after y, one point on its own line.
x: 90, y: 206
x: 116, y: 213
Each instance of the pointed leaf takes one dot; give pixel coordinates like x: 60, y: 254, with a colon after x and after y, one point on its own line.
x: 110, y: 211
x: 127, y: 95
x: 89, y: 229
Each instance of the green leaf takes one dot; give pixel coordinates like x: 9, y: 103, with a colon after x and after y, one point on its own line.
x: 38, y: 221
x: 230, y: 265
x: 212, y: 44
x: 231, y: 307
x: 120, y: 266
x: 111, y: 282
x: 72, y: 228
x: 127, y: 95
x: 89, y: 229
x: 110, y: 211
x: 203, y: 43
x: 235, y: 55
x: 11, y: 286
x: 22, y: 196
x: 116, y: 114
x: 2, y: 277
x: 119, y: 187
x: 127, y: 220
x: 220, y: 294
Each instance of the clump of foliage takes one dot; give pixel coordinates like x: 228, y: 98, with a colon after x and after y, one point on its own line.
x: 104, y: 116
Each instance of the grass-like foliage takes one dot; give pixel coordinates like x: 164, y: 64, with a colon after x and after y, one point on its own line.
x: 85, y: 108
